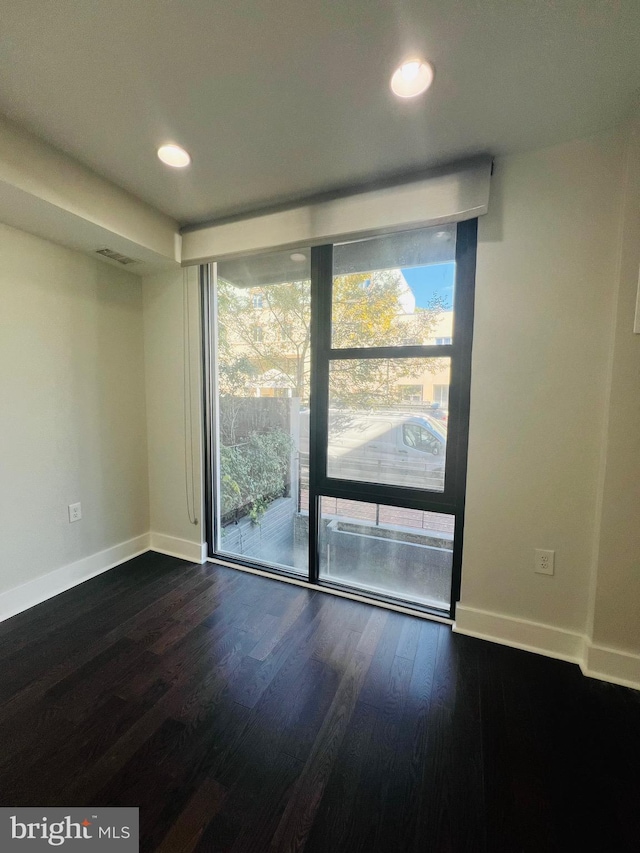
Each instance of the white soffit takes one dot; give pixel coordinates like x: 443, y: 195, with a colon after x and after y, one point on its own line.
x: 450, y: 194
x: 46, y: 193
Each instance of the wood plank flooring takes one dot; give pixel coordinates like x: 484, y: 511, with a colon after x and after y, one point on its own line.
x: 244, y: 714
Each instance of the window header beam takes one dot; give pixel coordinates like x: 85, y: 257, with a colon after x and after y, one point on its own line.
x: 450, y: 194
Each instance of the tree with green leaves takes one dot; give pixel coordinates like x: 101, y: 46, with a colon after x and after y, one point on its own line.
x: 264, y: 337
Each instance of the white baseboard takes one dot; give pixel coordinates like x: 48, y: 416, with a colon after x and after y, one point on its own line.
x: 194, y: 552
x: 39, y: 589
x: 519, y: 633
x: 612, y: 665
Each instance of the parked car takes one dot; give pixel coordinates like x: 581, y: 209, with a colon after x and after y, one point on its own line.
x: 391, y: 448
x: 404, y: 450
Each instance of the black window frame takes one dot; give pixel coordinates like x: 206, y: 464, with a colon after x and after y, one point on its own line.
x: 451, y: 501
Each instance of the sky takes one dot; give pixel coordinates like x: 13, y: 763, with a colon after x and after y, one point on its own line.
x: 435, y: 279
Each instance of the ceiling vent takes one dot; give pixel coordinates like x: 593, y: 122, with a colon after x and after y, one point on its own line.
x: 116, y: 256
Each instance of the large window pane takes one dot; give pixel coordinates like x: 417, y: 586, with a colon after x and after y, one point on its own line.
x: 263, y: 358
x: 403, y: 553
x: 388, y: 421
x: 395, y: 290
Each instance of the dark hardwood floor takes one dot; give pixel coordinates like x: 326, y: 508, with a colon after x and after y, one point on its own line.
x: 245, y: 714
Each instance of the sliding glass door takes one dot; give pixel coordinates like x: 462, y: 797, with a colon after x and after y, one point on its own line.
x: 339, y: 387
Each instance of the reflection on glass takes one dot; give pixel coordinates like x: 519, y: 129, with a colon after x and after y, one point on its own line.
x: 388, y: 421
x: 403, y: 553
x: 263, y: 359
x: 395, y: 290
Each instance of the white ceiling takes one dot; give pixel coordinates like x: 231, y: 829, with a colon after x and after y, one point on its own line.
x: 283, y: 99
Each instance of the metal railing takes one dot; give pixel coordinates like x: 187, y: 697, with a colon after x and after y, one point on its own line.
x: 375, y: 513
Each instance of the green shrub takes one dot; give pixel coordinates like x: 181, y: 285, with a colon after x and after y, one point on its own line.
x: 255, y: 473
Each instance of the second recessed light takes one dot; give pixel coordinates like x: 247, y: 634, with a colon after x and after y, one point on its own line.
x: 412, y: 78
x: 173, y: 155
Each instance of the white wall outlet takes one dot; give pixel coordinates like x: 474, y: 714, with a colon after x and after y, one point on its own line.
x: 75, y: 512
x: 544, y: 561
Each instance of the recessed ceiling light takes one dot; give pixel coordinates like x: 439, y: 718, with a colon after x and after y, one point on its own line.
x: 412, y: 78
x: 174, y: 156
x: 298, y: 256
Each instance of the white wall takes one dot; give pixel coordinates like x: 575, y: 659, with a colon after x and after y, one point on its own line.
x: 72, y: 407
x: 546, y: 268
x: 616, y: 599
x: 165, y: 382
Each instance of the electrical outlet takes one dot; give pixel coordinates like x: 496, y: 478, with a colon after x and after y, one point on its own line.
x: 75, y: 512
x: 544, y: 561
